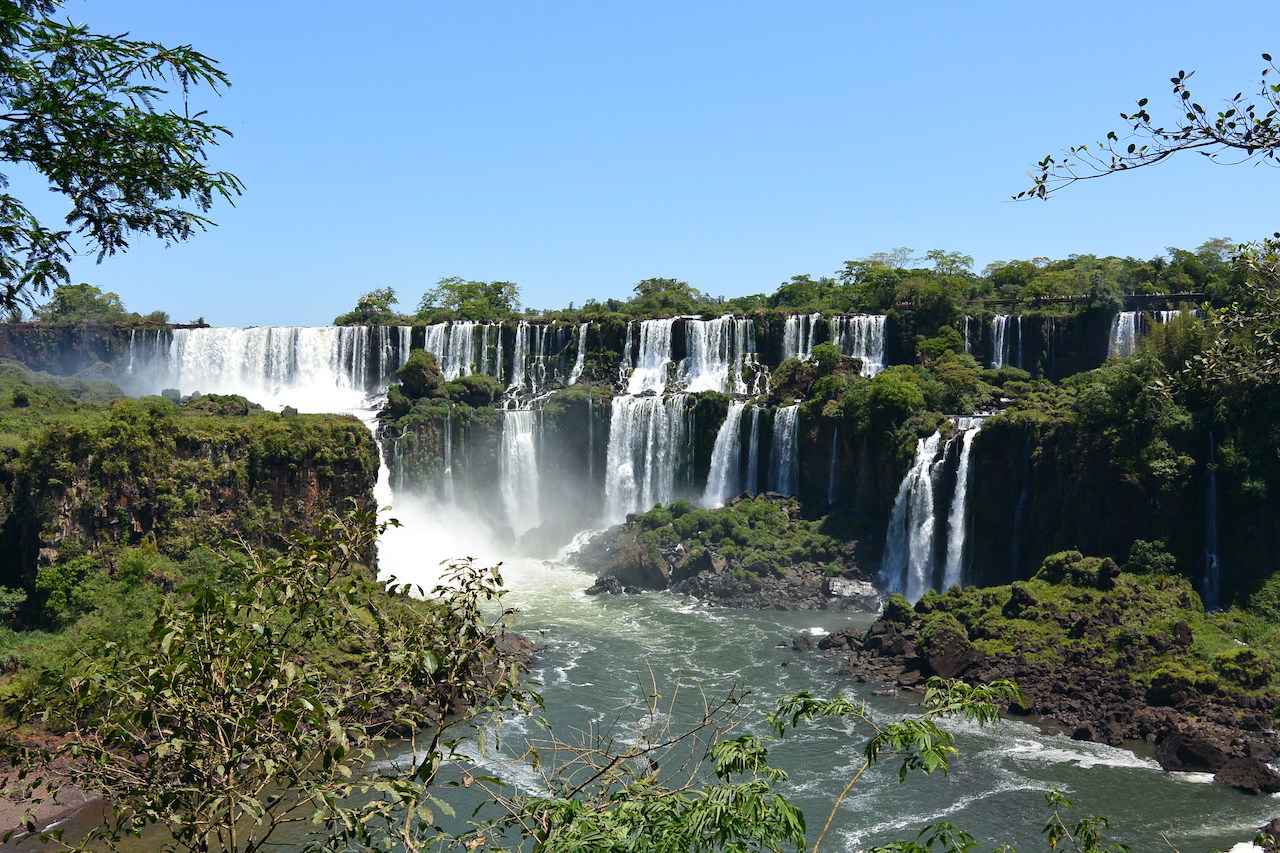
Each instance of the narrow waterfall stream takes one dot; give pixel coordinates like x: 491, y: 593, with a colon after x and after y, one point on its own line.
x: 606, y: 652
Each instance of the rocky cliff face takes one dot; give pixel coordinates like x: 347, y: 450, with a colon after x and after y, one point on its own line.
x: 148, y: 470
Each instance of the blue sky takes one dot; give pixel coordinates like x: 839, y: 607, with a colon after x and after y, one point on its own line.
x: 579, y: 147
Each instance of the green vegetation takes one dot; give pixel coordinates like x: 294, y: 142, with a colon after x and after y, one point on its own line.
x: 81, y: 110
x: 758, y: 535
x: 264, y: 694
x: 1085, y: 611
x: 84, y: 303
x: 372, y: 309
x: 87, y: 480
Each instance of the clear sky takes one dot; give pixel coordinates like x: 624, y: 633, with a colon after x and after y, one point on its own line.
x: 579, y: 147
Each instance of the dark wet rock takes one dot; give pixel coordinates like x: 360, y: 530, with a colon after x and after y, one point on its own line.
x: 802, y: 643
x: 607, y: 585
x: 1251, y: 775
x: 1189, y: 752
x: 848, y: 637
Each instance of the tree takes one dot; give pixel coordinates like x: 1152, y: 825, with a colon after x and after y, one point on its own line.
x: 78, y: 303
x: 268, y: 697
x: 664, y: 297
x: 83, y: 110
x: 372, y: 309
x: 470, y: 300
x: 1247, y: 128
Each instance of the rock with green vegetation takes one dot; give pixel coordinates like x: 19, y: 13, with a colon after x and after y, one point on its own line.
x: 1108, y: 655
x: 82, y: 479
x: 757, y: 552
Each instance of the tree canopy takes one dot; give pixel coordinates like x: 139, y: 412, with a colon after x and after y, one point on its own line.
x: 472, y: 300
x: 91, y: 115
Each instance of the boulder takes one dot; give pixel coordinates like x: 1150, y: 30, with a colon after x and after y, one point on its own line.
x: 606, y: 585
x: 1189, y: 752
x: 842, y: 638
x: 1251, y: 775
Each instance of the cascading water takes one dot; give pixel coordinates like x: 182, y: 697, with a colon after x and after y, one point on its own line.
x: 957, y: 528
x: 581, y: 360
x: 1006, y: 348
x: 724, y: 480
x: 798, y: 335
x: 1124, y: 335
x: 862, y: 336
x: 312, y: 369
x: 520, y: 490
x: 908, y: 564
x: 911, y: 558
x: 718, y: 354
x: 653, y: 359
x: 462, y: 348
x: 752, y: 483
x: 648, y: 447
x: 784, y: 456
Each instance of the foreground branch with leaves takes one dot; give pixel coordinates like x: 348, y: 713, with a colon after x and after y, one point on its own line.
x: 266, y: 700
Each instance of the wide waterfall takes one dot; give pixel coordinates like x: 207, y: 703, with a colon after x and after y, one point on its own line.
x: 719, y: 353
x: 463, y: 348
x: 312, y: 369
x: 724, y: 480
x: 799, y: 334
x: 648, y: 451
x: 862, y: 336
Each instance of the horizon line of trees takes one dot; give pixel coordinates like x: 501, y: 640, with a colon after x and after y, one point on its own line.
x: 940, y: 281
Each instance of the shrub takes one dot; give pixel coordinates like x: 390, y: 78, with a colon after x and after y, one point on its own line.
x: 1244, y: 666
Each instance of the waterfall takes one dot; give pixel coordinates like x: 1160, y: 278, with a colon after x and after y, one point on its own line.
x: 718, y: 354
x: 723, y: 481
x: 648, y: 448
x: 908, y: 563
x: 968, y: 343
x: 862, y: 336
x: 784, y: 456
x: 446, y: 478
x: 520, y: 470
x: 957, y: 520
x: 581, y: 359
x: 654, y: 357
x: 753, y: 453
x: 831, y: 470
x: 1124, y: 335
x: 461, y: 347
x: 798, y: 334
x: 1211, y: 584
x: 916, y: 530
x: 1004, y: 350
x: 312, y: 369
